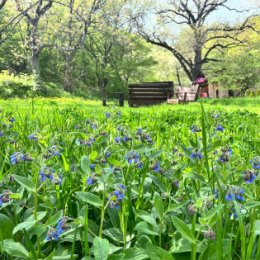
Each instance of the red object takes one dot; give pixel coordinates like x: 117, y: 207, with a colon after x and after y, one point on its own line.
x: 200, y: 80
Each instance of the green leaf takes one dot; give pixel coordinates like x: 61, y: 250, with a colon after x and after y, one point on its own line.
x: 90, y: 198
x: 85, y: 164
x: 135, y: 253
x: 114, y: 162
x: 40, y: 216
x: 24, y: 225
x: 158, y: 182
x: 183, y: 229
x: 158, y: 253
x: 145, y: 228
x: 101, y: 248
x: 26, y: 183
x: 15, y: 249
x: 54, y: 219
x: 66, y: 165
x: 158, y: 204
x: 146, y: 217
x: 7, y: 226
x: 93, y: 155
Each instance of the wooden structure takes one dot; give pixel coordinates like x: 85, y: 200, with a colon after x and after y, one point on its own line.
x: 117, y: 95
x: 149, y: 93
x: 187, y: 94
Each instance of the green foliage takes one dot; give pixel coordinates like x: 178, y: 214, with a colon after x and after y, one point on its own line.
x: 16, y: 86
x: 70, y: 191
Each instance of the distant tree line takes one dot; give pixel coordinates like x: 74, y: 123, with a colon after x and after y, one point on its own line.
x: 89, y: 47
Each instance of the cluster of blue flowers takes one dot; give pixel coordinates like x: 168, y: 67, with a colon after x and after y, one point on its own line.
x: 48, y: 173
x: 117, y: 196
x: 196, y: 154
x: 18, y: 157
x: 226, y: 154
x: 236, y: 194
x: 62, y: 226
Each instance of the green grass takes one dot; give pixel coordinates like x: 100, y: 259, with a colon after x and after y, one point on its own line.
x: 171, y: 186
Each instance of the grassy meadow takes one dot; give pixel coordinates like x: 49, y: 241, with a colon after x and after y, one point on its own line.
x: 81, y: 181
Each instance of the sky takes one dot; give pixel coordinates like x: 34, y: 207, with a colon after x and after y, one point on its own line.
x: 225, y: 15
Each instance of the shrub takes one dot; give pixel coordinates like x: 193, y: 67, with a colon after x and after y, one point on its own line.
x: 16, y: 85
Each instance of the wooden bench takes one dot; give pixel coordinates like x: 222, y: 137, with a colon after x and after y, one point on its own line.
x: 149, y: 93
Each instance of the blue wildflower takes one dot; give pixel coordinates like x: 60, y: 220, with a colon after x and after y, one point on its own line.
x: 17, y: 157
x: 195, y: 129
x: 133, y: 157
x: 122, y: 186
x: 226, y: 154
x: 219, y: 128
x: 196, y: 155
x: 149, y: 139
x: 233, y: 213
x: 91, y: 179
x: 229, y: 196
x: 107, y: 154
x: 127, y: 138
x: 117, y: 140
x: 239, y: 197
x: 5, y: 197
x: 12, y: 119
x: 255, y: 163
x: 107, y: 115
x: 57, y: 180
x: 155, y: 166
x: 139, y: 131
x: 119, y: 194
x: 52, y: 235
x: 216, y: 193
x: 114, y: 204
x: 139, y: 165
x: 119, y: 114
x: 249, y: 176
x: 93, y: 126
x: 62, y: 225
x: 92, y: 166
x: 33, y: 137
x: 1, y: 134
x: 120, y: 129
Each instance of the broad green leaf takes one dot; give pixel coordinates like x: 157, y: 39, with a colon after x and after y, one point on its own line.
x: 135, y: 253
x: 24, y: 225
x: 183, y: 229
x: 6, y: 228
x: 26, y: 183
x: 101, y: 248
x: 93, y: 155
x: 114, y: 162
x: 158, y: 204
x: 54, y: 218
x: 85, y: 164
x: 146, y: 217
x: 157, y: 182
x: 90, y: 198
x: 158, y: 253
x: 145, y: 228
x: 40, y: 216
x: 15, y: 249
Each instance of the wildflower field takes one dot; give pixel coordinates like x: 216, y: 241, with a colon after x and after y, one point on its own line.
x: 79, y: 181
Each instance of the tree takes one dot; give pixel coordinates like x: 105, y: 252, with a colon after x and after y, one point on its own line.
x: 33, y: 18
x: 240, y: 66
x: 204, y: 39
x: 79, y: 16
